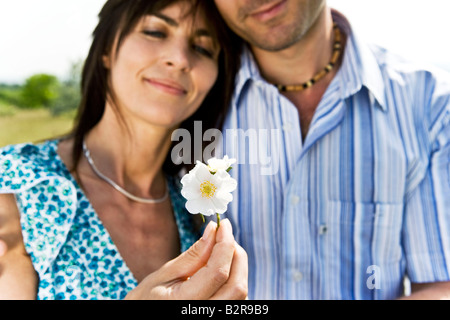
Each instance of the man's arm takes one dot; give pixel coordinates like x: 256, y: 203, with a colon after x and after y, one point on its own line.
x: 429, y: 291
x: 18, y: 279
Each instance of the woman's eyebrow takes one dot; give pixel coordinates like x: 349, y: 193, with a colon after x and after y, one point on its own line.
x: 172, y: 22
x: 167, y: 19
x: 202, y: 33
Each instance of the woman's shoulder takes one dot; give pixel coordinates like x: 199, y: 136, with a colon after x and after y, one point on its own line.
x: 45, y: 197
x: 29, y: 151
x: 22, y: 164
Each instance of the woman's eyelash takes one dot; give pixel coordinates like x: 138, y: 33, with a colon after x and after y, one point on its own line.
x: 203, y: 51
x: 154, y: 33
x: 162, y: 35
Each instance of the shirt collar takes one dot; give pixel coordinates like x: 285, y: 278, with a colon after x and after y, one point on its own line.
x: 359, y: 68
x: 248, y: 71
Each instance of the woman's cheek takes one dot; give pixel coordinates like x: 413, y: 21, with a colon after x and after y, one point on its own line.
x: 209, y: 78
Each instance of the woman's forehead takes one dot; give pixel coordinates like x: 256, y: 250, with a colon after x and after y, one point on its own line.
x: 184, y: 14
x: 181, y: 12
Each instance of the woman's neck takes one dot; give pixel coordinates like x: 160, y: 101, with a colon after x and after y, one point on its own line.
x: 132, y: 156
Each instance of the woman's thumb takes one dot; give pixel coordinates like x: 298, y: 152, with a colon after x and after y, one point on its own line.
x: 3, y: 248
x: 190, y: 261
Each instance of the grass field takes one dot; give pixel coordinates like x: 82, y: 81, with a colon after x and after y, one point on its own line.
x: 18, y: 125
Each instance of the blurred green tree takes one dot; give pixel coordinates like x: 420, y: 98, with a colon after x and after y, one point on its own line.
x: 69, y: 92
x: 67, y: 100
x: 40, y: 90
x: 10, y: 95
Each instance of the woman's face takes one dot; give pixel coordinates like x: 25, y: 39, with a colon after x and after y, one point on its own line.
x: 165, y: 67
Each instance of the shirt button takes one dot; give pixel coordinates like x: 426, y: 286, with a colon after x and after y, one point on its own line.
x: 259, y: 84
x: 295, y: 200
x: 297, y: 276
x: 287, y: 127
x: 323, y: 229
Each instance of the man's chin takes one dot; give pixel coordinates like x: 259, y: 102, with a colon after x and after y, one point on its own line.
x: 272, y: 43
x: 273, y: 38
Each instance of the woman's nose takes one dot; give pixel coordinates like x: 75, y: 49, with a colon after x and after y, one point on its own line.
x: 178, y: 57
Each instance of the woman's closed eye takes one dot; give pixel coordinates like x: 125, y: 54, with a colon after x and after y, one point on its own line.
x: 155, y: 34
x: 203, y: 44
x: 203, y: 51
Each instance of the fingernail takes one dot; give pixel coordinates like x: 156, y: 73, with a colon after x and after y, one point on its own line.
x: 227, y: 221
x: 3, y: 248
x: 208, y: 231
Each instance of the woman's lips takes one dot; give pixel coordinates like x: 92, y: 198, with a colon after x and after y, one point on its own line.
x: 269, y: 11
x: 167, y: 86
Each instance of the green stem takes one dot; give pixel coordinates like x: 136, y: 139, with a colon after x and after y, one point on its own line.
x: 203, y: 218
x: 218, y: 220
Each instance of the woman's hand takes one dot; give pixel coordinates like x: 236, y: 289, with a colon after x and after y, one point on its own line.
x: 215, y: 267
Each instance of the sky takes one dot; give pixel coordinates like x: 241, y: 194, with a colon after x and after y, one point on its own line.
x: 46, y: 36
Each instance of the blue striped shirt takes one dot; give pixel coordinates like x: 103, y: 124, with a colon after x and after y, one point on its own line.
x: 364, y: 201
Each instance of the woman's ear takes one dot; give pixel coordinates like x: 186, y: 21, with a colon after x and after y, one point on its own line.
x: 106, y: 61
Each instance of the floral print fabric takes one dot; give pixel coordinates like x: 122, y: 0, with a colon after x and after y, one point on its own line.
x: 70, y: 248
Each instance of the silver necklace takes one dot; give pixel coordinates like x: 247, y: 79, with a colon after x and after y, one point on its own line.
x: 87, y: 154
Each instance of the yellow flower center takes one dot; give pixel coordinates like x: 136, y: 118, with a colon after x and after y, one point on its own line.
x: 208, y: 189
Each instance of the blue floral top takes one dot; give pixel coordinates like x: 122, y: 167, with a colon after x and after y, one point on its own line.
x: 70, y: 248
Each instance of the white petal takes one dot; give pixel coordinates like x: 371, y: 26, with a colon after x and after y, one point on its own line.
x: 191, y: 192
x: 191, y: 182
x: 196, y: 206
x: 229, y: 161
x: 215, y: 164
x: 224, y: 196
x: 209, y: 212
x: 202, y: 174
x: 188, y: 178
x: 221, y: 180
x: 216, y: 180
x: 220, y: 205
x: 222, y: 174
x: 193, y: 172
x: 227, y: 183
x: 208, y: 207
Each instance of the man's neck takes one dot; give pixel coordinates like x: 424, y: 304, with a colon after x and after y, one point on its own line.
x: 300, y: 62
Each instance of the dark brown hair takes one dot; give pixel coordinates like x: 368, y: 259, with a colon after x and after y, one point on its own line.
x: 116, y: 20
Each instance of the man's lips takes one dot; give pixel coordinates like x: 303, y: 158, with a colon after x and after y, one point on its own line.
x: 268, y: 11
x: 167, y: 85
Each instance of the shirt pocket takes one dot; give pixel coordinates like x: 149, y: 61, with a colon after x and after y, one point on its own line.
x: 370, y: 231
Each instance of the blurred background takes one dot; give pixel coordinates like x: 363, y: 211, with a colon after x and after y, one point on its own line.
x: 43, y: 45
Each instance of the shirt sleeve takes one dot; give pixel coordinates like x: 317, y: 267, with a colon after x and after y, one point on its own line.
x: 426, y: 233
x: 46, y: 202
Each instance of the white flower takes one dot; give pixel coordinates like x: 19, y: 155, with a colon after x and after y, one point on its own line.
x: 215, y: 164
x: 207, y: 193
